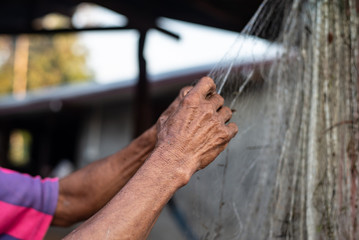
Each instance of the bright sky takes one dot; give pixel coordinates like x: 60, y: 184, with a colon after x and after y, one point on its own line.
x: 113, y: 54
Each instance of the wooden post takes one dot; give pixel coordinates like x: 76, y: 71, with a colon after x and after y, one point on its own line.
x: 21, y: 60
x: 143, y: 109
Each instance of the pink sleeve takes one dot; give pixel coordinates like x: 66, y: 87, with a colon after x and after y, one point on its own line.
x: 27, y: 205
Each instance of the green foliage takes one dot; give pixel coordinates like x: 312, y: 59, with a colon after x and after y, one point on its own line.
x: 6, y: 68
x: 56, y: 60
x: 53, y: 60
x: 6, y: 76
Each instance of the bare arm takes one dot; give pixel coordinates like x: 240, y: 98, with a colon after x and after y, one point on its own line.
x: 190, y: 139
x: 87, y: 190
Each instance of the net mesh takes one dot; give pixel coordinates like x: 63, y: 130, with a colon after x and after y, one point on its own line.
x: 292, y: 170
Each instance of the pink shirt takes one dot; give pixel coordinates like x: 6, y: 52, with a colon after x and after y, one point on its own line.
x: 27, y: 205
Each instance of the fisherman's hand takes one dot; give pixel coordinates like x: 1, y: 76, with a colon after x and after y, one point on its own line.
x: 149, y: 137
x: 171, y: 109
x: 196, y: 132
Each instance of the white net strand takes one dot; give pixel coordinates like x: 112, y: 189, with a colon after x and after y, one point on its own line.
x: 291, y: 172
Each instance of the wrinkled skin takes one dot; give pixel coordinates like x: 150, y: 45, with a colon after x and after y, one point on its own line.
x: 171, y: 109
x: 87, y: 190
x: 196, y: 132
x: 191, y: 133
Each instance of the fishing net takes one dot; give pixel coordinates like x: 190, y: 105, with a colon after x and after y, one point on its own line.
x: 292, y: 170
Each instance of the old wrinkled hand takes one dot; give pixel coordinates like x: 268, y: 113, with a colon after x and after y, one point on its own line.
x: 197, y: 131
x: 171, y: 109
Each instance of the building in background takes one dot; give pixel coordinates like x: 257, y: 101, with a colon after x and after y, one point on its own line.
x: 78, y: 98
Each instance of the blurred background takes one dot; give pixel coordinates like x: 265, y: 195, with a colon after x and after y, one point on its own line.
x: 79, y: 80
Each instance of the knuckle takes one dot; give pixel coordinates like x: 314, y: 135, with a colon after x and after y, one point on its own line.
x: 227, y: 133
x: 220, y: 99
x: 223, y: 137
x: 187, y: 100
x: 207, y: 83
x: 210, y: 85
x: 162, y: 119
x: 185, y: 91
x: 208, y: 80
x: 228, y: 111
x: 232, y: 129
x: 235, y: 128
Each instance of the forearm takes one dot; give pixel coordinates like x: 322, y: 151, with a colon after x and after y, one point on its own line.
x: 87, y: 190
x: 187, y: 141
x: 133, y: 211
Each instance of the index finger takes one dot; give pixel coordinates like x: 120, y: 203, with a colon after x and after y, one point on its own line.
x: 232, y: 129
x: 205, y: 87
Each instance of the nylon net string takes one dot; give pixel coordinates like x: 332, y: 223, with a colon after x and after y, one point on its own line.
x: 292, y: 170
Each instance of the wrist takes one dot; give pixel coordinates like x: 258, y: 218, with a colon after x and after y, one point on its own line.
x: 139, y: 149
x: 173, y: 164
x: 147, y: 139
